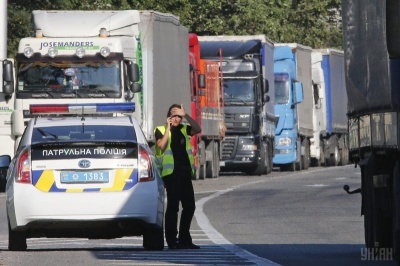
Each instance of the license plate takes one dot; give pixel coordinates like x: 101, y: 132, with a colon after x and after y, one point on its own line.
x: 84, y: 177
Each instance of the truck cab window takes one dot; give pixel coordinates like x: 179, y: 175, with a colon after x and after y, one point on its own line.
x: 281, y: 89
x: 239, y: 89
x: 64, y: 77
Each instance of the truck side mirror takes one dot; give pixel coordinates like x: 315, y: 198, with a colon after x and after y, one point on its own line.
x: 266, y: 98
x: 133, y: 77
x: 5, y: 161
x: 298, y: 92
x: 266, y: 86
x: 8, y: 78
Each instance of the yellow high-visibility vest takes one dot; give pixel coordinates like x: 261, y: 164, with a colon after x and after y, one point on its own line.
x: 166, y: 159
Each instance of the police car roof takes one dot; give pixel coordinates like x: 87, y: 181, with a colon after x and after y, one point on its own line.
x: 50, y: 121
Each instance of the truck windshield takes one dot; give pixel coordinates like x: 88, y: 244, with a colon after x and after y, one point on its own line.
x: 239, y: 89
x: 81, y: 78
x: 281, y: 88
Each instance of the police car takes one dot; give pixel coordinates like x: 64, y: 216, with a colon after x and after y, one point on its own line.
x: 84, y: 176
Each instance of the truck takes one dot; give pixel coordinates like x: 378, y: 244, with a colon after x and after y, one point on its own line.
x: 329, y: 145
x: 207, y: 107
x: 372, y: 63
x: 6, y: 96
x: 124, y: 56
x: 247, y: 67
x: 294, y: 105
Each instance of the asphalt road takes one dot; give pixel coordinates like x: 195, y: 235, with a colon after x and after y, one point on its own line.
x: 298, y: 218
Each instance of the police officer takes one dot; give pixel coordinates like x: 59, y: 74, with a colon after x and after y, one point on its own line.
x: 177, y: 162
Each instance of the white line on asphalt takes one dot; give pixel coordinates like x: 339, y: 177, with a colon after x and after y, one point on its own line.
x: 219, y: 239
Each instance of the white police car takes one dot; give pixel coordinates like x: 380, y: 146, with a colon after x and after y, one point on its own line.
x: 4, y: 162
x: 85, y: 176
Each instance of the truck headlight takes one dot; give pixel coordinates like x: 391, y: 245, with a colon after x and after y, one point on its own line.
x: 28, y: 52
x: 53, y: 52
x: 285, y: 141
x: 105, y: 51
x: 249, y: 147
x: 80, y: 52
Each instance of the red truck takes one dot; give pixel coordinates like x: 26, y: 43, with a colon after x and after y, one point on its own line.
x: 207, y: 108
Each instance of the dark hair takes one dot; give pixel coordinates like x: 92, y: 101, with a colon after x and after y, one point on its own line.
x: 170, y: 108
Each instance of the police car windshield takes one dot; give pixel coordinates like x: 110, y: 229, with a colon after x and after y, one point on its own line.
x: 84, y: 133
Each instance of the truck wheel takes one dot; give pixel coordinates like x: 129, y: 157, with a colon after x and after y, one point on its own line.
x: 270, y: 157
x: 334, y: 158
x: 201, y: 169
x: 377, y: 225
x: 290, y: 167
x: 344, y: 155
x: 367, y: 207
x: 212, y: 169
x: 322, y: 151
x: 306, y: 157
x: 216, y: 160
x: 200, y: 172
x: 261, y: 168
x: 16, y: 239
x: 396, y: 213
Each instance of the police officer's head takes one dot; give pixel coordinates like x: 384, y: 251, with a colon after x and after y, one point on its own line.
x: 169, y: 114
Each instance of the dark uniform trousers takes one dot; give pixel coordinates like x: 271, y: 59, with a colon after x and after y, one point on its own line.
x: 179, y: 189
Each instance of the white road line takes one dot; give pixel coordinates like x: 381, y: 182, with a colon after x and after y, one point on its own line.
x: 219, y: 239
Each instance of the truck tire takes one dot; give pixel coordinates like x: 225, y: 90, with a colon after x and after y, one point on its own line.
x: 306, y: 157
x: 334, y: 158
x: 298, y: 164
x: 396, y: 213
x: 200, y: 171
x: 377, y: 226
x: 344, y: 152
x: 270, y: 150
x: 216, y: 160
x: 322, y: 161
x: 290, y: 167
x: 212, y: 166
x: 261, y: 168
x: 367, y: 205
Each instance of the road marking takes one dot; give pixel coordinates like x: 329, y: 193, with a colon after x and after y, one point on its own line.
x: 317, y: 185
x: 219, y: 239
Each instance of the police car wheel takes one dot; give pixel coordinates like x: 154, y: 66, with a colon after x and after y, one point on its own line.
x: 153, y: 239
x: 16, y: 240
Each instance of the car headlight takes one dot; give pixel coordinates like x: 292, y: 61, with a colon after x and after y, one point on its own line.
x: 285, y: 141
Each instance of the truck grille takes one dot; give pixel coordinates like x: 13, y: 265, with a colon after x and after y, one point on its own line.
x: 238, y: 123
x: 228, y: 148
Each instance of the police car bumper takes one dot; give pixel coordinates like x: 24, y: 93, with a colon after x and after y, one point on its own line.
x: 140, y: 206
